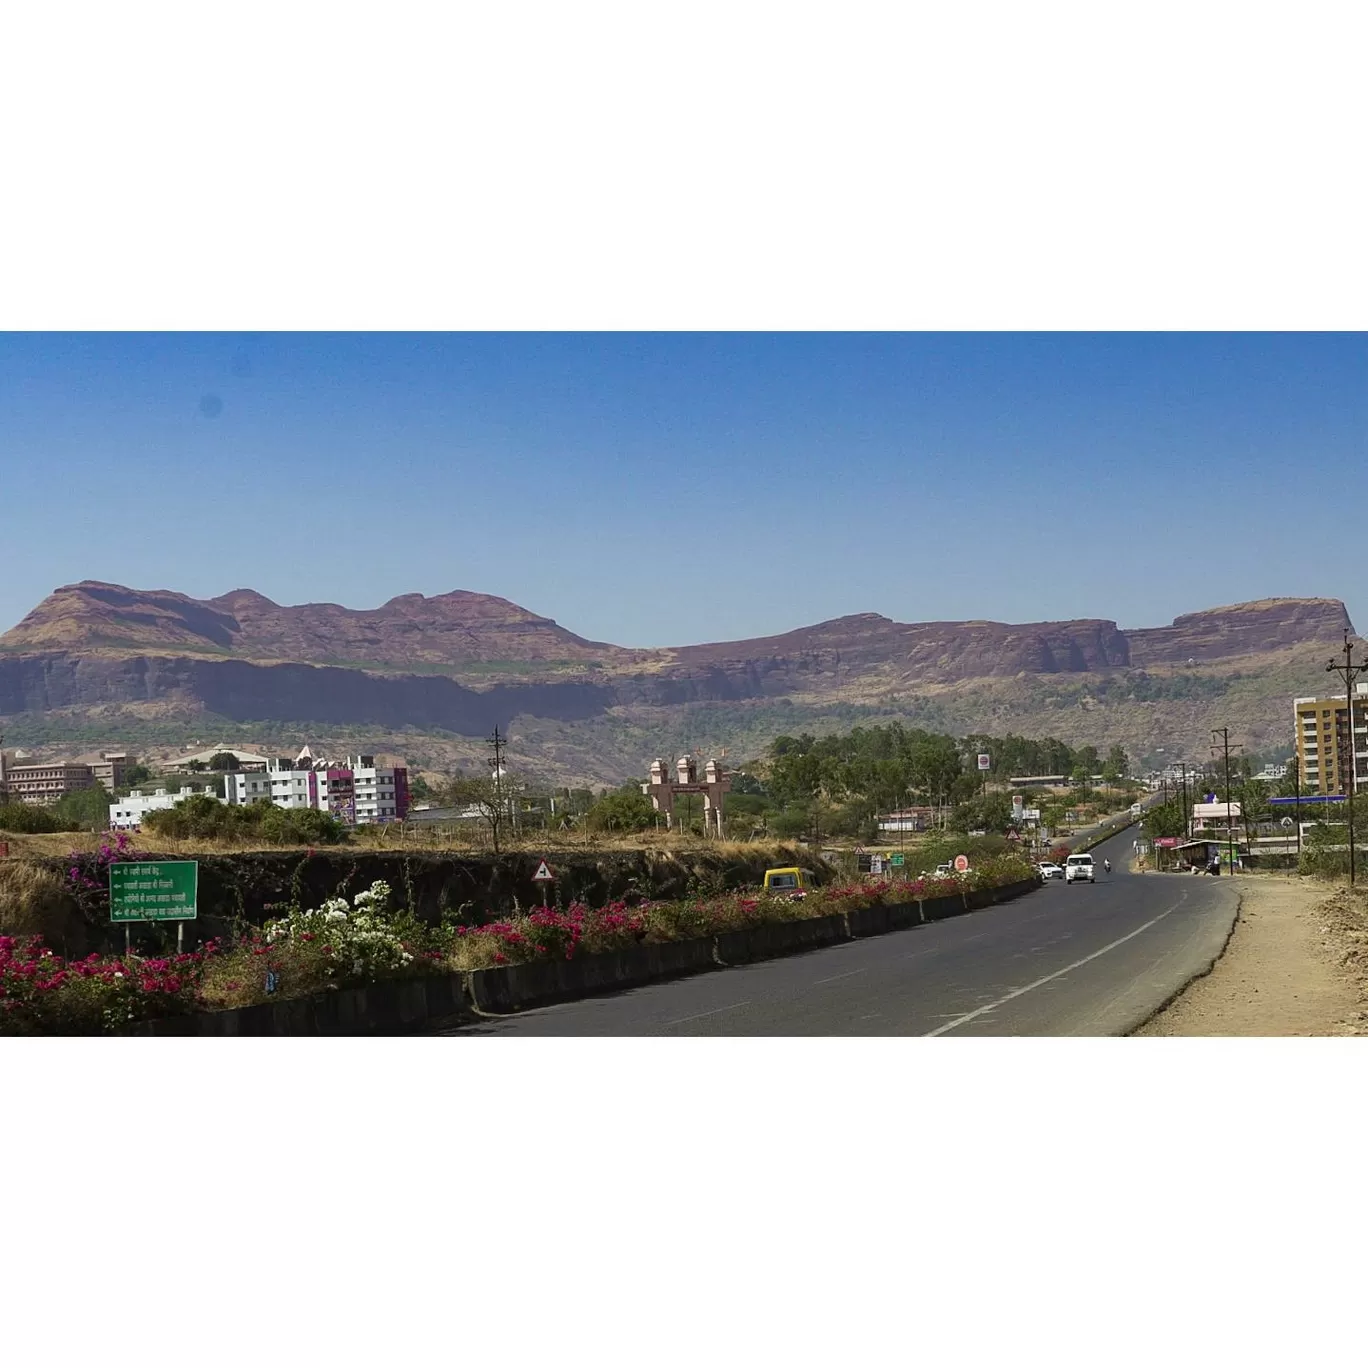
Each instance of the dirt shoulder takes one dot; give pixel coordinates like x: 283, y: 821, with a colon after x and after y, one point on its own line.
x: 1296, y: 965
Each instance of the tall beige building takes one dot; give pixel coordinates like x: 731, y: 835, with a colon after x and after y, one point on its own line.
x: 1332, y: 746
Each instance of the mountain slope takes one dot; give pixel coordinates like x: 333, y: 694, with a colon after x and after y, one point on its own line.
x: 102, y: 662
x: 410, y: 631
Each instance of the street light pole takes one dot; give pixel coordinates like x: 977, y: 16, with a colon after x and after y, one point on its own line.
x: 1349, y: 672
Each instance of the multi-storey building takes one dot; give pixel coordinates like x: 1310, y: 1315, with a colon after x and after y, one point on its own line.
x: 357, y: 794
x: 42, y: 783
x: 1332, y: 746
x: 110, y: 768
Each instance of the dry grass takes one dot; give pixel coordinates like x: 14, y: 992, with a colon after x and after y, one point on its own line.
x: 34, y: 901
x: 441, y: 840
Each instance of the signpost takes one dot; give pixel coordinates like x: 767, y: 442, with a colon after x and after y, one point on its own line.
x: 544, y: 876
x: 985, y: 761
x: 896, y: 861
x: 961, y: 863
x: 154, y: 890
x: 876, y: 864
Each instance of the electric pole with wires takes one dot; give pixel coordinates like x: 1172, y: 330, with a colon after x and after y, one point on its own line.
x: 1224, y: 734
x: 1349, y: 673
x: 498, y: 744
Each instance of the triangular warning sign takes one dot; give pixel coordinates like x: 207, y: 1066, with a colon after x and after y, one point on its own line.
x: 543, y: 874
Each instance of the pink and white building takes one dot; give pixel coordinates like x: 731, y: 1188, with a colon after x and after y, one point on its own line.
x: 358, y: 793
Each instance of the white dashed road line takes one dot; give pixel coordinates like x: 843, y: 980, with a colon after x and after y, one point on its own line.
x: 731, y: 1007
x: 1059, y: 973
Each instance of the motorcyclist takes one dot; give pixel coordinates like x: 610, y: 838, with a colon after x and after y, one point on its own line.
x: 1106, y: 865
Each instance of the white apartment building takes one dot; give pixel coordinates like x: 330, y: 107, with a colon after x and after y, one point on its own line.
x: 128, y: 814
x: 285, y: 788
x: 358, y: 793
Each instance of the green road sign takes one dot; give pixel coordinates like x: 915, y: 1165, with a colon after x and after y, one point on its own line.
x: 160, y: 890
x: 895, y: 861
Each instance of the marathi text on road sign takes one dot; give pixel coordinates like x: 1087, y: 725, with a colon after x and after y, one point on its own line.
x: 161, y: 890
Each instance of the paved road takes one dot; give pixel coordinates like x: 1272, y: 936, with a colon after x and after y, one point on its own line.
x: 1080, y: 960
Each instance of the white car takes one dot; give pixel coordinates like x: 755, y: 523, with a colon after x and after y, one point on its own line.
x: 1079, y: 869
x: 1049, y: 870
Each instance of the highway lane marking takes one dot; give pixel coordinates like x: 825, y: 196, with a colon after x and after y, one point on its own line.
x: 832, y: 978
x: 1059, y: 973
x: 699, y: 1015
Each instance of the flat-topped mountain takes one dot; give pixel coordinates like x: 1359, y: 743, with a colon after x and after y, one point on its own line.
x: 446, y: 630
x: 102, y: 661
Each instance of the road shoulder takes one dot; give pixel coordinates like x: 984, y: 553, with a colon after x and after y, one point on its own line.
x: 1296, y: 965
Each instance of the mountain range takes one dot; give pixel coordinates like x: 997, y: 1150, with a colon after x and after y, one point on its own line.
x: 431, y: 677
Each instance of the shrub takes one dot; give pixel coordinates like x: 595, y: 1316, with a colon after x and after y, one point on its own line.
x: 205, y: 818
x: 25, y: 819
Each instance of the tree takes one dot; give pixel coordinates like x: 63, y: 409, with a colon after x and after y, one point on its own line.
x: 1119, y: 761
x: 492, y: 800
x: 991, y: 813
x: 135, y: 775
x: 86, y: 809
x: 223, y: 760
x: 1166, y: 819
x: 626, y: 810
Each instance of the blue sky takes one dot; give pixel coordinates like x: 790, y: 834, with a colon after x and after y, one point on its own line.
x: 661, y: 489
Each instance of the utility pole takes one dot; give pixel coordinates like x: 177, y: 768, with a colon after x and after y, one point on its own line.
x: 1296, y: 789
x: 499, y: 744
x: 1224, y: 734
x: 1349, y: 672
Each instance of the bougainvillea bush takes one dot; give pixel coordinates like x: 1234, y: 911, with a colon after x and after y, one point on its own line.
x: 42, y: 993
x: 341, y: 944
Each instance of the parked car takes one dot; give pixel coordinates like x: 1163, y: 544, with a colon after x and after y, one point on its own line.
x: 1050, y: 870
x: 1079, y: 869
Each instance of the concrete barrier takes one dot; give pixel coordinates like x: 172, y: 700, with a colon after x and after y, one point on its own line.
x: 439, y: 1001
x: 780, y: 938
x: 389, y: 1007
x: 542, y: 982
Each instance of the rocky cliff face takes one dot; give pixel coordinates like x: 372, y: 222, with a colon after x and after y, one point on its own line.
x: 1243, y: 629
x: 935, y: 652
x: 403, y: 666
x: 407, y: 632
